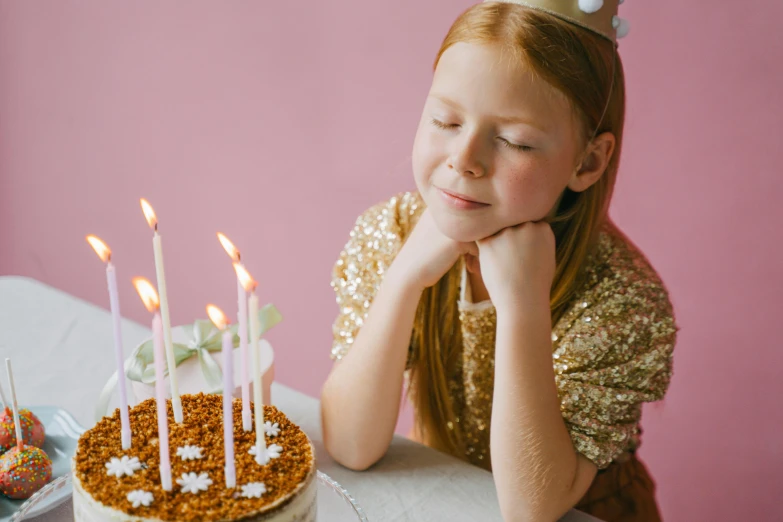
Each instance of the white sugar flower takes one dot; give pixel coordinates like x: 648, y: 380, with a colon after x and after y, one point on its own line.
x: 253, y: 490
x: 140, y: 498
x: 265, y: 455
x: 272, y: 430
x: 188, y: 452
x: 192, y: 483
x: 123, y: 466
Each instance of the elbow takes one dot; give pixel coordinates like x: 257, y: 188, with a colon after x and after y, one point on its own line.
x: 348, y: 453
x: 344, y: 445
x: 540, y: 506
x: 352, y: 461
x: 521, y: 512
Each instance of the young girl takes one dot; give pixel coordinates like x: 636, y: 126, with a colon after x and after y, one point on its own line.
x: 528, y: 328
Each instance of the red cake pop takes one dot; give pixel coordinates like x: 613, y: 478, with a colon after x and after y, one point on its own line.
x: 25, y: 471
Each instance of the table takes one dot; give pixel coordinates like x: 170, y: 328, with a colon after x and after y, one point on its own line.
x: 62, y: 352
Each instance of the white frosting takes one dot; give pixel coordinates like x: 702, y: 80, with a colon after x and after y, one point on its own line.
x: 122, y: 466
x: 271, y: 430
x: 188, y: 452
x: 192, y: 483
x: 138, y: 498
x: 253, y: 490
x: 263, y: 457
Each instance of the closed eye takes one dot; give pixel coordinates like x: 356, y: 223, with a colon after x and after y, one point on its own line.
x: 439, y: 124
x: 514, y: 146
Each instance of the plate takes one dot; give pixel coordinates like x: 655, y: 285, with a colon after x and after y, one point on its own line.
x: 335, y: 504
x: 62, y: 437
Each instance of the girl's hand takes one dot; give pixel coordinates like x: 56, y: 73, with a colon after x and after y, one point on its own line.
x: 518, y: 264
x: 428, y: 254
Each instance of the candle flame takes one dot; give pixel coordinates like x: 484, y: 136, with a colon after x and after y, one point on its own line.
x: 229, y: 247
x: 247, y: 282
x: 149, y: 213
x: 101, y: 248
x: 147, y: 292
x: 217, y: 316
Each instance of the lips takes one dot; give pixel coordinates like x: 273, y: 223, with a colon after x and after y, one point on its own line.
x: 463, y: 197
x: 460, y: 202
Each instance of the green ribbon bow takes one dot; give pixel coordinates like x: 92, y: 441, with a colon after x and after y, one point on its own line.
x: 204, y: 339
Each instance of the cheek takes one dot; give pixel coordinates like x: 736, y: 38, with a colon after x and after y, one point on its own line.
x: 529, y: 193
x: 427, y: 154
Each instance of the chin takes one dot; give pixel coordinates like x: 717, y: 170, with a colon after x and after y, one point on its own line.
x: 463, y: 229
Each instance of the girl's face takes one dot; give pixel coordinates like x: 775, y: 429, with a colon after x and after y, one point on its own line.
x: 495, y: 147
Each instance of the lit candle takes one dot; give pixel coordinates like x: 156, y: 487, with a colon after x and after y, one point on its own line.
x: 17, y: 420
x: 152, y: 302
x: 233, y: 252
x: 152, y: 220
x: 255, y: 332
x: 104, y: 252
x: 221, y: 322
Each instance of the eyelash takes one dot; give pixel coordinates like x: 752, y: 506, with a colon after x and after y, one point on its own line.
x: 506, y: 143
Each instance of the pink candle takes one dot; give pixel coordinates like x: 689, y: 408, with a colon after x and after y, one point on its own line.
x: 114, y: 303
x: 150, y: 297
x: 247, y: 423
x: 221, y: 322
x: 228, y: 408
x: 160, y: 399
x: 233, y: 252
x: 104, y: 252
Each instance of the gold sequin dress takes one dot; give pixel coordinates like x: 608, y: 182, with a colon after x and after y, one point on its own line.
x: 611, y: 351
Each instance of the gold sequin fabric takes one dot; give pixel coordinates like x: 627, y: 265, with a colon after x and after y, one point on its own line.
x: 611, y: 350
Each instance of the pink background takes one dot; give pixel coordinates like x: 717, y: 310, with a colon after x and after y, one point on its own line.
x: 279, y: 122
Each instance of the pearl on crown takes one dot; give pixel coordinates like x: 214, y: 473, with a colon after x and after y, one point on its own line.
x: 621, y: 25
x: 590, y: 6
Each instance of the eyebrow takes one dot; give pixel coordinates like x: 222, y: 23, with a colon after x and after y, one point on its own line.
x: 503, y: 119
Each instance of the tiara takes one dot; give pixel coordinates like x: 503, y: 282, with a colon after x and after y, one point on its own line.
x: 598, y: 16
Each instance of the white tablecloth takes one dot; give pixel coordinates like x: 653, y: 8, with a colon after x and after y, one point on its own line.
x: 62, y: 353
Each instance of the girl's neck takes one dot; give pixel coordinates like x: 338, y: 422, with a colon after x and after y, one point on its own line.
x: 477, y: 289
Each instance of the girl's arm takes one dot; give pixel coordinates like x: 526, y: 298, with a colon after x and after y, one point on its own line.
x: 538, y: 473
x: 360, y: 401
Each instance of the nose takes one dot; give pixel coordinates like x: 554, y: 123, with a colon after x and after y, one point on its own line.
x: 466, y: 156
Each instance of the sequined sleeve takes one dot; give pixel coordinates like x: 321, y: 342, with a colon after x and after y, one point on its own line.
x: 373, y: 244
x: 613, y: 353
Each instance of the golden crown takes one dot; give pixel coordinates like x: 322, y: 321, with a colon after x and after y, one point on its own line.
x: 598, y: 16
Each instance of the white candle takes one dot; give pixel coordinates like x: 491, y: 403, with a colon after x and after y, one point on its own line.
x: 104, y: 252
x: 152, y: 220
x: 160, y: 399
x: 247, y: 424
x: 17, y: 421
x: 255, y: 333
x: 176, y: 403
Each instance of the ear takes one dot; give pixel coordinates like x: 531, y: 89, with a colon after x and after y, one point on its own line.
x: 594, y: 162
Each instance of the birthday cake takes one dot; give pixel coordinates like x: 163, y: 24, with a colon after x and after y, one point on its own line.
x: 112, y: 484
